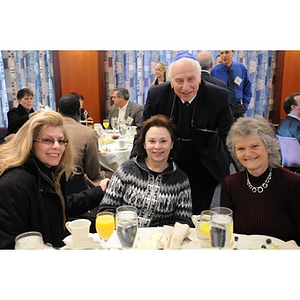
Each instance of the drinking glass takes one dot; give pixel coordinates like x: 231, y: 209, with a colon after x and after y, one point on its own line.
x: 205, y: 218
x: 122, y: 128
x: 98, y: 128
x: 106, y: 124
x: 31, y: 240
x: 105, y: 225
x: 114, y: 124
x: 221, y: 229
x: 127, y: 225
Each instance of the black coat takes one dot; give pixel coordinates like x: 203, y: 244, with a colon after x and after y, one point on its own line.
x: 29, y: 203
x: 205, y: 75
x: 17, y: 117
x: 212, y: 121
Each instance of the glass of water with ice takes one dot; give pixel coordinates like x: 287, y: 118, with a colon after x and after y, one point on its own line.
x: 221, y: 230
x: 126, y: 225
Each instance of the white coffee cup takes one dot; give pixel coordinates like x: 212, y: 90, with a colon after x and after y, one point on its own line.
x: 121, y: 144
x: 79, y: 229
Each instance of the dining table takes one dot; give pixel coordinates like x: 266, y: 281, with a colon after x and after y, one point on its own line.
x: 151, y: 238
x: 111, y: 156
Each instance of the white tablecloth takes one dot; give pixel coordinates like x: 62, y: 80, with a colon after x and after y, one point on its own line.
x: 147, y: 239
x: 111, y: 157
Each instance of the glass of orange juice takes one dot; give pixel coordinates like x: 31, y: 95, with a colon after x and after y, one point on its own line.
x: 205, y: 218
x: 105, y: 225
x: 106, y: 124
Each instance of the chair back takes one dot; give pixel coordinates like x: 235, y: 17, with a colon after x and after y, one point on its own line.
x: 290, y: 151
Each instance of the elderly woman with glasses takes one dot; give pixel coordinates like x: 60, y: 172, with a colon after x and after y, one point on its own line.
x: 34, y: 167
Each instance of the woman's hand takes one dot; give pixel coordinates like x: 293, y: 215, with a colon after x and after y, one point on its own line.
x: 104, y: 183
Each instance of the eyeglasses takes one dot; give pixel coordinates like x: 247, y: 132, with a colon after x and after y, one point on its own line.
x: 49, y: 141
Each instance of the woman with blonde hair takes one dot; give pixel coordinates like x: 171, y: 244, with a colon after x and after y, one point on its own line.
x: 34, y: 167
x: 160, y: 73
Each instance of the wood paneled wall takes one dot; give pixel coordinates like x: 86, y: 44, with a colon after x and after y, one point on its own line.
x: 287, y: 80
x: 82, y: 72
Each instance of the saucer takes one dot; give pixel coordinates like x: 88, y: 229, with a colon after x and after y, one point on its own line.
x: 90, y: 243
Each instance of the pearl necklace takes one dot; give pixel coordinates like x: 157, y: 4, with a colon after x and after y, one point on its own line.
x: 261, y: 188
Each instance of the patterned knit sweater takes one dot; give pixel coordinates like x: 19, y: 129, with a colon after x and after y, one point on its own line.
x: 274, y: 212
x: 160, y: 198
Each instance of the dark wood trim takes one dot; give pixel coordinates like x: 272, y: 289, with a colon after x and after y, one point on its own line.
x: 102, y: 94
x: 57, y: 79
x: 278, y: 82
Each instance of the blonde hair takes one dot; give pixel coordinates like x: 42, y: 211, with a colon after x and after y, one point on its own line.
x: 254, y: 126
x: 162, y: 66
x: 15, y: 152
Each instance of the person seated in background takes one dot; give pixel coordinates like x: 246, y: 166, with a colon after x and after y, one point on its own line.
x: 34, y: 167
x: 84, y: 140
x: 290, y: 126
x: 161, y: 75
x: 84, y: 115
x: 264, y: 197
x: 124, y: 109
x: 205, y: 60
x: 19, y: 115
x: 151, y: 181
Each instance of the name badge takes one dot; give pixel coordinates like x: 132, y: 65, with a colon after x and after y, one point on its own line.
x: 238, y: 80
x: 129, y: 120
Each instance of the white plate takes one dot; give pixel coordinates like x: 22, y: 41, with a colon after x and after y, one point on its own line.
x: 255, y: 242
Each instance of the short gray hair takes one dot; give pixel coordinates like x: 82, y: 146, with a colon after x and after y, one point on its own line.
x: 254, y: 126
x: 205, y: 59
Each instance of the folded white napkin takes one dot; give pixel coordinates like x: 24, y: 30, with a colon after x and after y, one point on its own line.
x: 175, y: 235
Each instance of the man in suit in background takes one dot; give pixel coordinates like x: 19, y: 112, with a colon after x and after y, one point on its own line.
x: 83, y: 139
x: 205, y: 60
x: 124, y: 109
x: 203, y: 117
x: 290, y: 126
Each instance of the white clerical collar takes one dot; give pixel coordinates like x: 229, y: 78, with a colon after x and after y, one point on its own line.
x: 190, y: 100
x: 293, y: 116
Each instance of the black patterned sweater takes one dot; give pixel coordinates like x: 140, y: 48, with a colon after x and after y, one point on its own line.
x: 160, y: 198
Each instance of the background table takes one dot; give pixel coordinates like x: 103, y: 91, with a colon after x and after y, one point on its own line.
x: 110, y: 157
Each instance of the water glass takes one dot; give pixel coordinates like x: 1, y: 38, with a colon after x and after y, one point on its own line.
x: 122, y: 128
x: 127, y: 225
x: 221, y: 230
x: 114, y: 123
x: 31, y: 240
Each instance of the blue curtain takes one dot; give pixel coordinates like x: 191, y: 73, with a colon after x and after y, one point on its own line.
x: 134, y: 70
x: 30, y: 69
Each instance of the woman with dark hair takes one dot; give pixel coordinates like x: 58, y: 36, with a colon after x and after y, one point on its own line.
x: 264, y: 197
x: 83, y: 112
x: 151, y: 180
